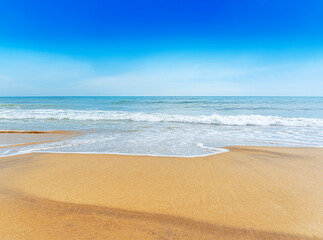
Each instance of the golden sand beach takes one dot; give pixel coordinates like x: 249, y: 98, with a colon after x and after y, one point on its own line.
x: 22, y: 138
x: 246, y: 193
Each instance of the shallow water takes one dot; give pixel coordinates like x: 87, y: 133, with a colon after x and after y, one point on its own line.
x: 179, y: 126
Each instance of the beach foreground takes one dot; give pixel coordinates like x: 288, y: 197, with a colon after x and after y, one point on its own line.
x: 246, y: 193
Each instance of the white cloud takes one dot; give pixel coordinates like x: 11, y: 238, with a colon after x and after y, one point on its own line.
x: 43, y: 74
x: 179, y: 77
x: 39, y: 74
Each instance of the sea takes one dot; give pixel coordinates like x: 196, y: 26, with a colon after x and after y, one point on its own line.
x: 165, y: 126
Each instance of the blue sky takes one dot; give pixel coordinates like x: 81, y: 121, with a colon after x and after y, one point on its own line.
x: 251, y: 47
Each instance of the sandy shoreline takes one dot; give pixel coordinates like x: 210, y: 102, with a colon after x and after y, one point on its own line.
x: 16, y: 138
x: 247, y: 193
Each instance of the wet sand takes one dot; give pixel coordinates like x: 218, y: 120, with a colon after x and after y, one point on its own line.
x: 9, y: 138
x: 247, y: 193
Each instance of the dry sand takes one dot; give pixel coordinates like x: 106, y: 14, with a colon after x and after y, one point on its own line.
x: 247, y: 193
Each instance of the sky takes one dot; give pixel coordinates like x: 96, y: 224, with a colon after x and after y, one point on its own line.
x: 155, y: 48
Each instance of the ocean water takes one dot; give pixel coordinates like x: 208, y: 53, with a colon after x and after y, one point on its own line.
x: 175, y: 126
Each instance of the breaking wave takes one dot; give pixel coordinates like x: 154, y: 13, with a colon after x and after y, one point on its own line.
x: 216, y: 119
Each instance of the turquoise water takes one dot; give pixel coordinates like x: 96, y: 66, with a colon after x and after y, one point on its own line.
x: 180, y: 126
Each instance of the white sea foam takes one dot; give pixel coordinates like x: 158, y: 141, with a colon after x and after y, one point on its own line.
x: 216, y: 119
